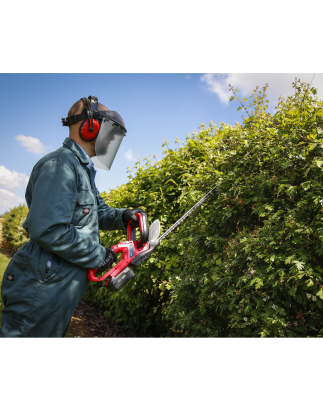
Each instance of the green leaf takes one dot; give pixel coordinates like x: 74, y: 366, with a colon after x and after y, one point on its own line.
x: 292, y: 291
x: 281, y: 188
x: 289, y: 259
x: 309, y: 283
x: 299, y: 265
x: 320, y: 293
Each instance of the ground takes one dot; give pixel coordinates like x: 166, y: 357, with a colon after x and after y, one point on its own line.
x: 87, y: 321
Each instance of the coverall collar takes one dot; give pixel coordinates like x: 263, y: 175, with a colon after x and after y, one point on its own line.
x: 91, y: 164
x: 76, y: 149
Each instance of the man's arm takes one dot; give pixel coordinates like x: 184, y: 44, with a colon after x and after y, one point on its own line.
x: 109, y: 218
x: 54, y: 194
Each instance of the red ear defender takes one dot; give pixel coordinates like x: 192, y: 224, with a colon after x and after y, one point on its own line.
x: 84, y: 129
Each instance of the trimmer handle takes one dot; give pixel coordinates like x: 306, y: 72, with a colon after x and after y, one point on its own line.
x: 120, y: 274
x: 143, y: 227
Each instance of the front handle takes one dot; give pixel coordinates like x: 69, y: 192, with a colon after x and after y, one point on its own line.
x: 143, y: 227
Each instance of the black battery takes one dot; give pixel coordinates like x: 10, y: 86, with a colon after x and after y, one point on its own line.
x: 117, y: 282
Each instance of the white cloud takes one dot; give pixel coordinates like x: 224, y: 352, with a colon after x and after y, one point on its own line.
x: 12, y: 180
x: 32, y: 144
x: 129, y: 156
x: 188, y: 77
x: 8, y: 200
x: 279, y: 84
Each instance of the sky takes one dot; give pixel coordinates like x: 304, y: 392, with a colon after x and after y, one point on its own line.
x: 154, y: 107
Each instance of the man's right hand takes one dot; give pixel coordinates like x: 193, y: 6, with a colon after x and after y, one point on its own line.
x: 110, y: 258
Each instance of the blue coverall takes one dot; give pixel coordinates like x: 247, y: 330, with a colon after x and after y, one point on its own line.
x: 65, y: 215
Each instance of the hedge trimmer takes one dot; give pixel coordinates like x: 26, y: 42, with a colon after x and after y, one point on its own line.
x: 134, y: 252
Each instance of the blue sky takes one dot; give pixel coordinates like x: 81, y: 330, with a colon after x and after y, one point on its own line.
x: 153, y: 106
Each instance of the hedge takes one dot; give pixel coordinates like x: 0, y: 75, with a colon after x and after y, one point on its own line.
x: 248, y: 262
x: 254, y: 263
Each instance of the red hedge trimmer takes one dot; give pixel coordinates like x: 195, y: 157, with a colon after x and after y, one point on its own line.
x: 134, y: 252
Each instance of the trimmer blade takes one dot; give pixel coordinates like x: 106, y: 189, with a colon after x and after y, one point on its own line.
x: 154, y: 231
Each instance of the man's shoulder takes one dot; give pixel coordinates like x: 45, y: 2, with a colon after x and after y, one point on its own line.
x: 62, y: 155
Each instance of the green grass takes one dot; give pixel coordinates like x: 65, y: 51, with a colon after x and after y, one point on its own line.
x: 4, y: 261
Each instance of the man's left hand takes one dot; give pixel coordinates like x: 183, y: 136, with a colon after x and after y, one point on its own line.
x: 129, y: 215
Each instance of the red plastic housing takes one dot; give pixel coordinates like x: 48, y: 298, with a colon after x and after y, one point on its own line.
x: 129, y: 249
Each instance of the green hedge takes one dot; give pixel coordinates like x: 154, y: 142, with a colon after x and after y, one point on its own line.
x: 13, y: 230
x: 249, y: 261
x: 157, y: 187
x: 254, y: 262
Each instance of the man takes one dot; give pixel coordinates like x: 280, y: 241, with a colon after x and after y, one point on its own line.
x: 47, y: 277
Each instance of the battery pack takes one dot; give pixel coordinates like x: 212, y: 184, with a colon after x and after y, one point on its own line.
x: 117, y: 282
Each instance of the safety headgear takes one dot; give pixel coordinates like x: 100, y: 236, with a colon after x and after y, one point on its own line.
x: 107, y: 127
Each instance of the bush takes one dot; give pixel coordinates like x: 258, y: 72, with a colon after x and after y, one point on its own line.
x: 13, y: 230
x: 248, y: 262
x: 253, y: 262
x: 156, y: 188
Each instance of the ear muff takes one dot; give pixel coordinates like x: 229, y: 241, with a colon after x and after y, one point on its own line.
x: 84, y: 129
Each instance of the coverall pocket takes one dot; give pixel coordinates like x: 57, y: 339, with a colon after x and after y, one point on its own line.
x: 84, y: 208
x: 56, y: 264
x: 14, y: 279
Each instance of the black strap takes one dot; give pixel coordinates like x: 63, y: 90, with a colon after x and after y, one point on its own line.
x: 91, y: 105
x: 94, y: 103
x: 86, y: 103
x: 89, y: 112
x: 68, y: 121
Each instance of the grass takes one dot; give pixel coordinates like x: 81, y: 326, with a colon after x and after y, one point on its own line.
x: 4, y: 261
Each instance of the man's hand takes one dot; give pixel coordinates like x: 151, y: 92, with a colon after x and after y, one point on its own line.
x: 128, y: 215
x: 110, y: 258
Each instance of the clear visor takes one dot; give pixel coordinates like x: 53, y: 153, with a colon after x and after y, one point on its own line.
x: 107, y: 144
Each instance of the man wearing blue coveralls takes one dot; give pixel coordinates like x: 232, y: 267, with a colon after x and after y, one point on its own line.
x: 47, y: 277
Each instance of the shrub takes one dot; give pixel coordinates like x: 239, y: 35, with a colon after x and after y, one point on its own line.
x: 156, y: 188
x: 13, y: 230
x: 253, y: 262
x: 249, y: 261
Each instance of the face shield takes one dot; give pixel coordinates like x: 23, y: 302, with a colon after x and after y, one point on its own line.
x: 109, y: 138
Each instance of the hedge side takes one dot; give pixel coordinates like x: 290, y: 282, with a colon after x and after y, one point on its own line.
x: 248, y: 262
x: 254, y: 256
x: 157, y: 188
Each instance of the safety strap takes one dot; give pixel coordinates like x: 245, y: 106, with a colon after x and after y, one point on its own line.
x: 91, y: 105
x: 68, y: 121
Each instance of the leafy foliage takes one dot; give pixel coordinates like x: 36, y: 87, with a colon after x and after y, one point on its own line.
x: 249, y: 261
x: 254, y: 262
x: 156, y: 188
x: 13, y: 230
